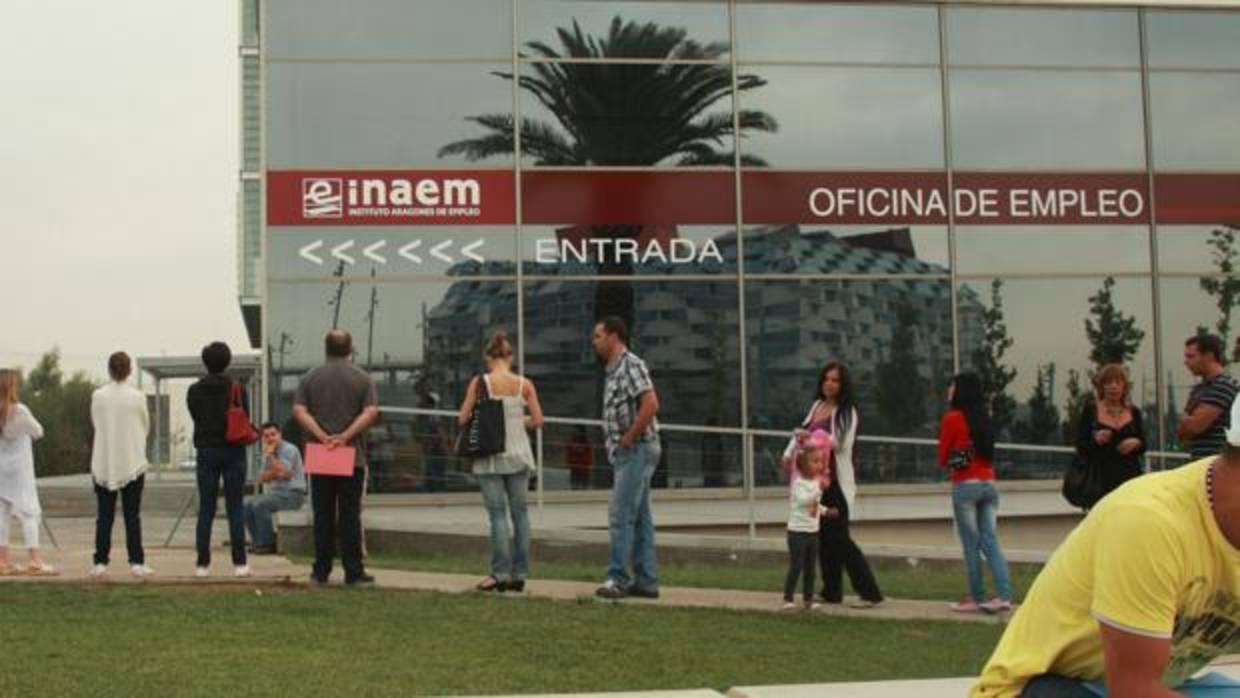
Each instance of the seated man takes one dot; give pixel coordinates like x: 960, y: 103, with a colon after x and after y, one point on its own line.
x: 286, y: 488
x: 1144, y: 593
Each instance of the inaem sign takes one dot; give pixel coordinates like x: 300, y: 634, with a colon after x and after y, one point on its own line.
x: 382, y: 197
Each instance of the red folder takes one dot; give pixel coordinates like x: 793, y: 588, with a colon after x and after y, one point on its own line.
x: 320, y: 460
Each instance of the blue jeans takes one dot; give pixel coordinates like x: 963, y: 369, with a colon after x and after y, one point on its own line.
x: 260, y: 509
x: 974, y: 505
x: 213, y: 464
x: 504, y: 495
x: 630, y: 521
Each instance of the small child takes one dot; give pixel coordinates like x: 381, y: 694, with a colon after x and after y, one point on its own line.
x: 809, y: 479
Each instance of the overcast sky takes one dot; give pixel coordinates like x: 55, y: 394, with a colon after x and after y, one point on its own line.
x: 118, y: 138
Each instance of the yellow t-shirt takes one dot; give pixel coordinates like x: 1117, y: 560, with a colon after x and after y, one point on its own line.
x: 1149, y: 559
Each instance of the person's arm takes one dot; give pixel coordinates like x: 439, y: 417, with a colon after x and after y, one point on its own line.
x: 362, y: 422
x: 843, y: 443
x: 1194, y: 422
x: 309, y: 424
x: 1137, y: 442
x: 645, y: 415
x: 535, y: 418
x: 1135, y: 664
x: 23, y: 422
x: 144, y: 416
x: 948, y: 430
x: 467, y: 405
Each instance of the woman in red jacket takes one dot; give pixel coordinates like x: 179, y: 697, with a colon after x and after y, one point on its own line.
x: 967, y: 450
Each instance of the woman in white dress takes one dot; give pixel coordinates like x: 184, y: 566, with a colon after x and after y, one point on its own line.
x: 18, y: 431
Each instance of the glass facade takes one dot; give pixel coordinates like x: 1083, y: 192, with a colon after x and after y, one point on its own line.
x: 758, y: 188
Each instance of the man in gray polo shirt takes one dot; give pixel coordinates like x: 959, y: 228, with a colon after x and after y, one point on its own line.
x: 335, y: 405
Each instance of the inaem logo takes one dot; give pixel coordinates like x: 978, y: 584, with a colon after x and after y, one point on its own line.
x: 322, y: 198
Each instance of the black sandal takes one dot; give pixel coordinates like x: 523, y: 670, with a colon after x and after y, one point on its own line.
x: 488, y: 584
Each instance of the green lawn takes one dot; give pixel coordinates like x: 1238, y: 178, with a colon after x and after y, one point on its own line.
x: 200, y: 641
x: 928, y: 579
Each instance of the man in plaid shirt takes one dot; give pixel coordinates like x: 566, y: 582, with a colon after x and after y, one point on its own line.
x: 629, y: 407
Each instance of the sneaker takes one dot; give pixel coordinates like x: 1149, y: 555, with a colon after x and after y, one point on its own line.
x: 515, y: 586
x: 966, y: 605
x: 610, y: 590
x: 140, y: 571
x: 202, y: 572
x: 241, y: 571
x: 864, y: 603
x: 643, y: 592
x: 788, y: 606
x: 361, y: 581
x: 997, y: 605
x: 812, y: 605
x: 317, y: 582
x: 98, y: 572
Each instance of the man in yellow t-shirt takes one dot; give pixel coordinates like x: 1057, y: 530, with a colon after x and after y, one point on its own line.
x: 1143, y: 594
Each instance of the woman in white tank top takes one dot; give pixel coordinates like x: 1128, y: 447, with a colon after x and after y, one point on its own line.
x: 504, y: 477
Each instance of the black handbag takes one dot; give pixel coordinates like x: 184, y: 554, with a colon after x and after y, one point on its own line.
x: 1082, y: 484
x: 959, y: 458
x: 484, y: 434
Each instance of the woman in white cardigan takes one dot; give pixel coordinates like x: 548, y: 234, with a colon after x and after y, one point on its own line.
x: 18, y: 498
x: 118, y: 464
x: 834, y: 411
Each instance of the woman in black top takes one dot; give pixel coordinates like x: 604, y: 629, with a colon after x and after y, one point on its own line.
x: 1111, y: 434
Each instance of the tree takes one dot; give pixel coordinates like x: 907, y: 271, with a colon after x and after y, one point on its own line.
x: 901, y: 390
x: 995, y: 377
x: 631, y: 114
x: 1226, y: 289
x: 1114, y: 337
x: 1043, y: 422
x: 1077, y: 402
x: 63, y: 407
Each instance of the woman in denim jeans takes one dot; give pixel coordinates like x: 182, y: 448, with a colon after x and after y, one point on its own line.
x: 966, y: 450
x: 505, y: 477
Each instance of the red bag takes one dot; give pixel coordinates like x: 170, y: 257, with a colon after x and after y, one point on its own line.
x: 240, y: 430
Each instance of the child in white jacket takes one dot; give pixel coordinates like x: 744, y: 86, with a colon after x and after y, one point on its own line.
x: 808, y: 480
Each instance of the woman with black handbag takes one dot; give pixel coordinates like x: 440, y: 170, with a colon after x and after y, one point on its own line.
x: 1110, y: 440
x: 504, y: 475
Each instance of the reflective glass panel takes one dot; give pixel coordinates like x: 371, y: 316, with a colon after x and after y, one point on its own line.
x: 1027, y: 119
x: 375, y: 115
x: 810, y: 249
x: 768, y: 31
x: 628, y: 249
x: 627, y: 114
x: 389, y: 29
x: 686, y: 331
x: 1023, y: 250
x: 390, y: 251
x: 1193, y: 39
x: 1048, y: 323
x: 894, y: 335
x: 1204, y: 250
x: 550, y: 22
x: 1193, y: 120
x: 1042, y: 37
x: 846, y: 117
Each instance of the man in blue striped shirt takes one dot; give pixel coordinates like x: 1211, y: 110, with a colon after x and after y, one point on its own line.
x: 632, y: 436
x: 1207, y: 413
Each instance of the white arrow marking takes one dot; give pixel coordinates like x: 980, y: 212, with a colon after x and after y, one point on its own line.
x: 407, y: 252
x: 437, y: 251
x: 307, y: 252
x: 372, y: 249
x: 338, y: 252
x: 468, y: 251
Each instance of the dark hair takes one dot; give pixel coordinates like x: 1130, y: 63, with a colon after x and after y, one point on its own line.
x: 270, y: 425
x: 338, y: 344
x: 216, y: 356
x: 967, y: 398
x: 845, y: 403
x: 1207, y: 344
x: 498, y: 346
x: 119, y: 366
x: 613, y: 324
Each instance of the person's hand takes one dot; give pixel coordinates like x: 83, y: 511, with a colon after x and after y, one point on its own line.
x: 268, y: 449
x: 334, y: 442
x: 1102, y: 436
x: 1129, y: 445
x: 831, y: 512
x: 627, y: 441
x: 801, y: 435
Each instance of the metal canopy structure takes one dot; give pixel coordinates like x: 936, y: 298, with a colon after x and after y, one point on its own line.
x: 245, y: 369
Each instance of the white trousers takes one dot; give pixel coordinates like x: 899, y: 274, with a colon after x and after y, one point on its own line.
x: 30, y: 525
